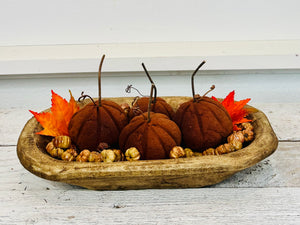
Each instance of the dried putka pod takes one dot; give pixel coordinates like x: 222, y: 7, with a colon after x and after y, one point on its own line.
x: 132, y: 154
x: 62, y: 141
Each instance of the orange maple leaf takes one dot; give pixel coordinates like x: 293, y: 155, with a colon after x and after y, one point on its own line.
x: 56, y: 122
x: 236, y: 110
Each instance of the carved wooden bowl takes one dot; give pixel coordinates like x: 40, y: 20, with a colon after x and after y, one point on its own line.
x: 167, y: 173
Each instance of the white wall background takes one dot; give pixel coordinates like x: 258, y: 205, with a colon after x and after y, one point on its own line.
x: 44, y: 22
x: 252, y: 46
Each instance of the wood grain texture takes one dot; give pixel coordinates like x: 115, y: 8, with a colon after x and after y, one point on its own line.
x: 186, y: 172
x: 281, y: 169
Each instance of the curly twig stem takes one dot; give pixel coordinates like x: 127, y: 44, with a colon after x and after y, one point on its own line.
x: 129, y: 87
x: 82, y: 97
x: 211, y: 88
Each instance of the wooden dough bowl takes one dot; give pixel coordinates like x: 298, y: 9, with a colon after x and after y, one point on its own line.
x: 167, y: 173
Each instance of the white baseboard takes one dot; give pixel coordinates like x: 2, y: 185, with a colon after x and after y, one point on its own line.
x: 127, y: 57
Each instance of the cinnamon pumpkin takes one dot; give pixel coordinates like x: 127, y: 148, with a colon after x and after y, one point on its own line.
x: 97, y: 122
x: 153, y: 134
x: 203, y: 122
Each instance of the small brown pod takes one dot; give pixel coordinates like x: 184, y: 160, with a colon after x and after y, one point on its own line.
x: 95, y: 157
x: 237, y: 145
x: 108, y: 155
x: 69, y: 155
x: 210, y: 151
x: 49, y: 147
x: 225, y: 148
x: 62, y: 142
x: 177, y: 152
x: 119, y: 155
x: 83, y: 156
x: 53, y: 151
x: 247, y: 126
x: 236, y: 135
x: 132, y: 154
x: 248, y: 134
x: 188, y: 152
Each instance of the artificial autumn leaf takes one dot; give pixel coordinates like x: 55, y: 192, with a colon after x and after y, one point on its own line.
x: 56, y: 122
x: 236, y: 110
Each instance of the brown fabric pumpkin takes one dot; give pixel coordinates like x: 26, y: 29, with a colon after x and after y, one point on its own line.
x: 160, y: 106
x: 97, y: 122
x: 203, y: 122
x: 94, y: 124
x: 154, y: 139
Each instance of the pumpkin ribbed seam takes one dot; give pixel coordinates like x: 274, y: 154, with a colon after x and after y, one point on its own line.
x: 82, y: 125
x: 98, y: 124
x: 170, y: 133
x: 199, y: 121
x: 112, y: 117
x: 217, y: 117
x: 178, y: 116
x: 145, y: 142
x: 166, y: 108
x: 128, y: 134
x: 160, y: 140
x: 112, y: 105
x: 221, y: 107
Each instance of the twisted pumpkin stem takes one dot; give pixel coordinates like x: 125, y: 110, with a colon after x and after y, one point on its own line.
x: 135, y: 100
x: 83, y: 97
x: 99, y: 80
x: 192, y: 80
x: 211, y: 89
x: 136, y: 108
x: 129, y: 87
x: 150, y: 79
x: 197, y: 97
x: 150, y: 101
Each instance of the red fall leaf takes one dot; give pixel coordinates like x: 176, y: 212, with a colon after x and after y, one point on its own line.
x: 235, y: 109
x: 56, y: 122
